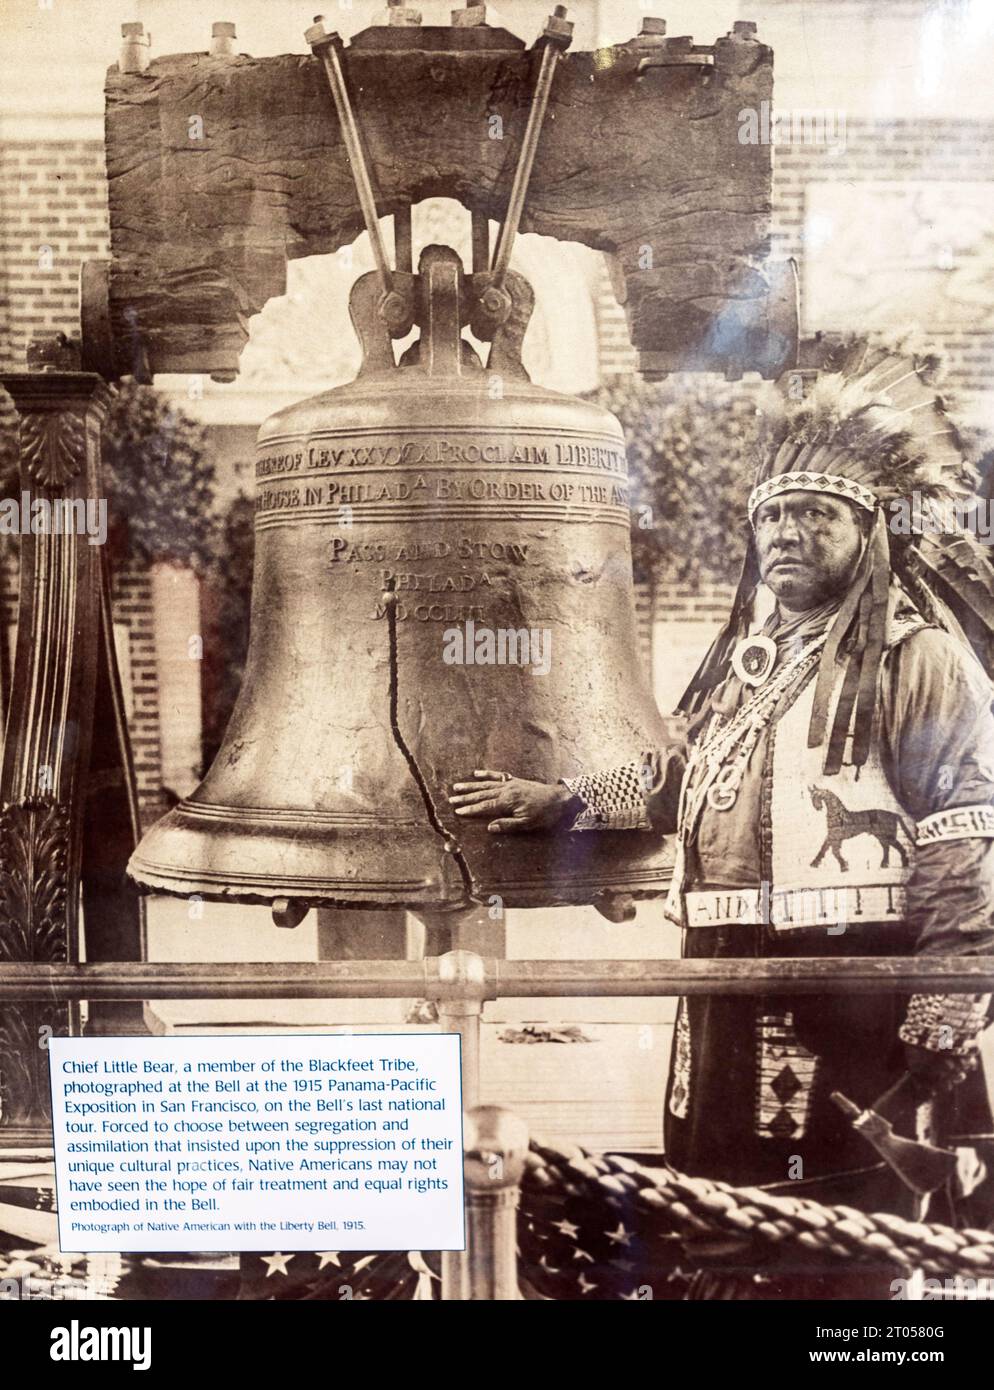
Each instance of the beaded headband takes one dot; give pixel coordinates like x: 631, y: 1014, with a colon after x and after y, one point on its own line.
x: 832, y: 483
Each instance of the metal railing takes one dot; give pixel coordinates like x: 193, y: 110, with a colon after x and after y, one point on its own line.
x: 465, y: 975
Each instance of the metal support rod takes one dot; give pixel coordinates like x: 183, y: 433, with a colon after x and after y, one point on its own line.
x: 551, y: 50
x: 463, y: 972
x: 328, y: 47
x: 455, y: 1270
x: 502, y: 979
x: 403, y: 253
x: 481, y: 242
x: 495, y: 1144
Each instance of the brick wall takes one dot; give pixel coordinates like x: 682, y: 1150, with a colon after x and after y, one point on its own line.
x: 708, y: 602
x: 894, y: 150
x: 614, y: 346
x: 52, y: 195
x: 685, y: 622
x: 877, y: 151
x: 133, y: 607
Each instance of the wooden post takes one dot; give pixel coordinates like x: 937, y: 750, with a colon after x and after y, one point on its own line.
x: 113, y: 909
x: 495, y: 1145
x: 481, y: 928
x: 354, y: 934
x: 47, y: 749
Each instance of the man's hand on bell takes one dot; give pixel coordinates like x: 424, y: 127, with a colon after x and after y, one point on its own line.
x: 514, y: 803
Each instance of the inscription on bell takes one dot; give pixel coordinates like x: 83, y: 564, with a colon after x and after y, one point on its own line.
x: 346, y: 492
x: 433, y: 612
x: 465, y: 548
x: 435, y: 583
x: 418, y: 453
x: 279, y: 463
x: 277, y: 499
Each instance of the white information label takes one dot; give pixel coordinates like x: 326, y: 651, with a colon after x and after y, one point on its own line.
x: 317, y: 1142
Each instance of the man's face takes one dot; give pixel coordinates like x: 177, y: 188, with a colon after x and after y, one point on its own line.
x: 808, y: 546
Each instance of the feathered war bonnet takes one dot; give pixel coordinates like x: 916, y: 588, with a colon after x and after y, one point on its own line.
x: 873, y: 431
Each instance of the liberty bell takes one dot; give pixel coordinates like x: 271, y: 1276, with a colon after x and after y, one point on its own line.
x: 443, y: 581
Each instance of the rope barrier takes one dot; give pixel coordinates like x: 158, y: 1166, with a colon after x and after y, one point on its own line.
x: 672, y: 1203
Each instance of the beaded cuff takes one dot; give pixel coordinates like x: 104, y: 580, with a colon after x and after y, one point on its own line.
x: 615, y: 800
x: 945, y: 1022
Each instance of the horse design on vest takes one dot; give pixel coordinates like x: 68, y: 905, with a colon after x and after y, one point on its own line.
x: 843, y: 824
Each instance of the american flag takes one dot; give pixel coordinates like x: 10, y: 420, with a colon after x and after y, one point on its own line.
x: 572, y: 1246
x: 339, y: 1275
x: 574, y: 1243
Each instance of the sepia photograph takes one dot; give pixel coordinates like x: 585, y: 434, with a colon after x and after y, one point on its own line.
x: 497, y: 663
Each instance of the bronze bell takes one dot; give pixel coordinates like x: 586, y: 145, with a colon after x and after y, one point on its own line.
x: 411, y: 528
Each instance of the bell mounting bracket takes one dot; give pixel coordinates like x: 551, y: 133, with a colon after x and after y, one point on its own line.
x: 496, y: 294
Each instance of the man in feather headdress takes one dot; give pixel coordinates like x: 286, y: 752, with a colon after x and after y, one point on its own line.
x: 834, y: 795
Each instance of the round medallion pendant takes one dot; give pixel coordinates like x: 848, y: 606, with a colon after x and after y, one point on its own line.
x: 754, y: 658
x: 722, y: 797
